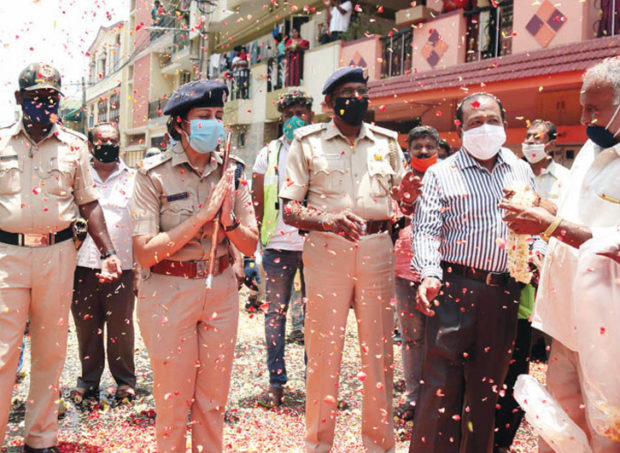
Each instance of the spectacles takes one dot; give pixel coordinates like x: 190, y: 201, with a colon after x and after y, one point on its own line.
x: 351, y: 93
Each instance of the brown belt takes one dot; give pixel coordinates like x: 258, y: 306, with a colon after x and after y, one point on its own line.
x: 490, y: 278
x: 191, y: 269
x: 377, y: 226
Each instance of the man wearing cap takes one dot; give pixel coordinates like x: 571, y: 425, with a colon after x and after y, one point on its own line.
x: 282, y: 244
x: 340, y: 177
x: 45, y: 184
x: 108, y: 306
x: 190, y: 330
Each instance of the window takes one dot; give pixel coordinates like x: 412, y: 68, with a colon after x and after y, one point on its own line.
x: 489, y: 31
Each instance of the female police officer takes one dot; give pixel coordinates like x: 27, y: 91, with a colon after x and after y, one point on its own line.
x: 189, y: 330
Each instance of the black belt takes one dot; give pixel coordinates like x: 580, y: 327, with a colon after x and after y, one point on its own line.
x: 35, y: 240
x: 490, y: 278
x: 377, y: 226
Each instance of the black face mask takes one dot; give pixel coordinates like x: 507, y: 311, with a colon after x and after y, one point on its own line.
x: 351, y: 110
x: 601, y: 136
x: 107, y: 152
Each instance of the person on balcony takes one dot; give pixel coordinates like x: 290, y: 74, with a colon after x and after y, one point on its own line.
x: 341, y: 177
x: 295, y: 47
x: 282, y: 244
x: 240, y: 73
x: 339, y: 14
x: 157, y: 12
x: 296, y: 42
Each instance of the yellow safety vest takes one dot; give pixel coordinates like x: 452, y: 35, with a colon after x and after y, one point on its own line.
x: 271, y: 193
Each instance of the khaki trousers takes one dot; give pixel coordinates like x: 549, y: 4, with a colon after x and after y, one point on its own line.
x: 564, y: 384
x: 189, y: 333
x: 35, y: 284
x: 338, y: 274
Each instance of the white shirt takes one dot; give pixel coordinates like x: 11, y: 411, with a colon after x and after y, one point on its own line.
x: 340, y: 22
x: 114, y: 196
x: 285, y: 237
x: 592, y: 199
x: 551, y: 182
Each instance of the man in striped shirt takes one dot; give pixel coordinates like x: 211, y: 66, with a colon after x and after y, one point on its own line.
x: 466, y: 291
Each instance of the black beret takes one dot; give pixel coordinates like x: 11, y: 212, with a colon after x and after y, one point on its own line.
x: 201, y: 93
x: 344, y: 75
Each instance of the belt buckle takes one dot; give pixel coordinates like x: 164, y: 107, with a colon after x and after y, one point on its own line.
x: 202, y: 267
x: 36, y: 240
x: 489, y: 279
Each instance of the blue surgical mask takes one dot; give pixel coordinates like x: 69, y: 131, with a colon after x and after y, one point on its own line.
x: 40, y: 112
x: 206, y: 135
x: 602, y: 135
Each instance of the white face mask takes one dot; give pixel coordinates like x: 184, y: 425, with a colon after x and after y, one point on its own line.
x: 534, y: 152
x: 485, y: 141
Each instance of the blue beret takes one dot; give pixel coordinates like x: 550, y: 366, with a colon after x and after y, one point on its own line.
x: 344, y: 75
x: 201, y: 93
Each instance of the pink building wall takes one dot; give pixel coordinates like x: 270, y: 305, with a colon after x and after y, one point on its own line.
x: 439, y: 42
x: 142, y: 66
x: 545, y: 24
x: 141, y: 86
x: 363, y: 52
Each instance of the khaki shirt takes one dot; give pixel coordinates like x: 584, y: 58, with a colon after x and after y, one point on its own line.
x: 167, y: 191
x: 335, y: 175
x: 42, y: 184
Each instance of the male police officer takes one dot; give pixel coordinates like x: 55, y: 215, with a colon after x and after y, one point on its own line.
x: 346, y: 171
x: 45, y: 184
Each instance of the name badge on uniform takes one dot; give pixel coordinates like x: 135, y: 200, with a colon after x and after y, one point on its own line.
x: 177, y: 196
x: 5, y: 158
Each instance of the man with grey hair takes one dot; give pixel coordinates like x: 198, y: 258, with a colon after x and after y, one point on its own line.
x: 588, y: 212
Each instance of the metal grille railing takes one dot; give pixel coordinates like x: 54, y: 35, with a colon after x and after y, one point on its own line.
x: 489, y: 31
x: 396, y: 53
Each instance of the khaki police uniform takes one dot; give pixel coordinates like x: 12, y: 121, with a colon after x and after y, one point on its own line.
x: 189, y: 331
x: 41, y: 186
x: 334, y: 175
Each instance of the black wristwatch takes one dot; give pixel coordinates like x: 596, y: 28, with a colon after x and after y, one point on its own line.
x: 105, y: 255
x: 234, y: 225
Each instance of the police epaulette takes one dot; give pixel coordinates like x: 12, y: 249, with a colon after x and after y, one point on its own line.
x: 383, y: 131
x: 309, y: 130
x: 73, y: 132
x: 149, y: 163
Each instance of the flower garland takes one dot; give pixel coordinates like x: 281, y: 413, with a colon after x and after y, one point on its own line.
x: 518, y: 245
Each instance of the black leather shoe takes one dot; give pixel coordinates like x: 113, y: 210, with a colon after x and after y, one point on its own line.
x: 28, y: 449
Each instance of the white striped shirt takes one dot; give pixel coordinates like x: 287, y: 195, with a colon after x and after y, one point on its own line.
x: 458, y: 219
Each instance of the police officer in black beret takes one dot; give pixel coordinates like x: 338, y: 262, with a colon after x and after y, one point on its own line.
x: 340, y: 181
x: 189, y: 330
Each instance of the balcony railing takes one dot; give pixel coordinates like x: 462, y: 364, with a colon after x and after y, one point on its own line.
x: 181, y: 39
x: 489, y: 31
x: 160, y: 26
x: 285, y: 70
x: 114, y: 115
x: 156, y: 107
x: 609, y: 23
x: 239, y: 84
x: 396, y: 53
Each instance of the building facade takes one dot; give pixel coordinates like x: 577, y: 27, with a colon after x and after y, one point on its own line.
x: 421, y: 61
x: 103, y: 93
